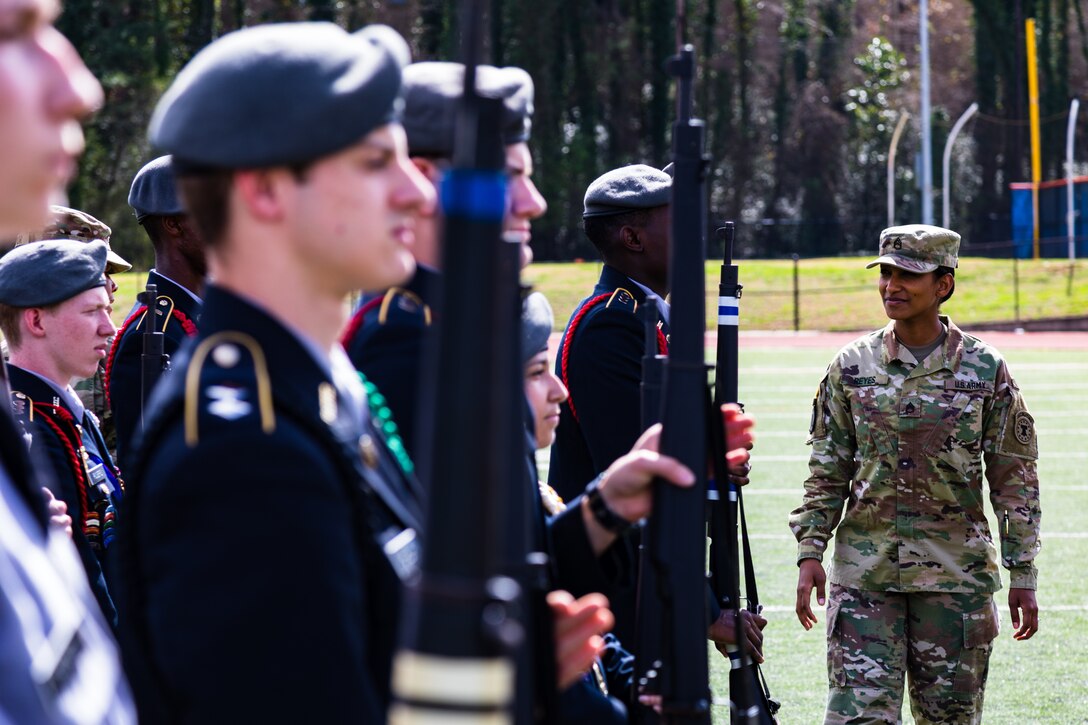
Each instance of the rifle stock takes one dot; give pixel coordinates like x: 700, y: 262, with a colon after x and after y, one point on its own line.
x: 677, y: 539
x: 749, y: 702
x: 463, y: 626
x: 153, y: 359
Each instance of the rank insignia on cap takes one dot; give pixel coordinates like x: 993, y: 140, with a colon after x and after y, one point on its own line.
x: 227, y: 402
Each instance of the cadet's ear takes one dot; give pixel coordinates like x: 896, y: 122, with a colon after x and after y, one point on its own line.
x: 261, y: 192
x: 173, y: 225
x: 428, y: 168
x: 33, y: 321
x: 631, y: 240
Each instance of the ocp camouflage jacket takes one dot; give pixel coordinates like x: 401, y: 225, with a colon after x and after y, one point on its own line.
x: 902, y: 444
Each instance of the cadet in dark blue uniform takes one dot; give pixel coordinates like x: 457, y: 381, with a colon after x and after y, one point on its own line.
x: 385, y: 336
x: 179, y: 277
x: 600, y: 357
x: 55, y: 315
x: 270, y: 525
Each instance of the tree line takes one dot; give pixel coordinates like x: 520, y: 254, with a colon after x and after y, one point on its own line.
x: 800, y: 98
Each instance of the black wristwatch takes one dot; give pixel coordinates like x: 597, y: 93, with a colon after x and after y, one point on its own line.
x: 605, y: 516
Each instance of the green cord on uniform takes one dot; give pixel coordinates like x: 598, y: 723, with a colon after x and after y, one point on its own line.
x: 384, y: 417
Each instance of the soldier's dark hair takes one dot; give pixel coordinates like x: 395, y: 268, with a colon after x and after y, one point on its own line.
x: 604, y: 231
x: 9, y: 324
x: 207, y: 197
x: 942, y: 271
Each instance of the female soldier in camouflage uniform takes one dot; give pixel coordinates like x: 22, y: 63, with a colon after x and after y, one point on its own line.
x: 901, y: 426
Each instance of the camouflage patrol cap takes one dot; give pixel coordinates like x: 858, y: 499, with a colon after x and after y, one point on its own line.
x: 431, y: 94
x: 40, y: 274
x: 537, y: 321
x: 626, y: 189
x: 918, y: 248
x: 68, y: 223
x: 280, y: 94
x: 153, y: 191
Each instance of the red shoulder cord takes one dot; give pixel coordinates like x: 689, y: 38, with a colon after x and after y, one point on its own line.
x: 357, y: 320
x: 568, y: 336
x: 186, y: 324
x: 72, y: 454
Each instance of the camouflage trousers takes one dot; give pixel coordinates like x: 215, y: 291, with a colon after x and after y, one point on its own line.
x: 939, y: 643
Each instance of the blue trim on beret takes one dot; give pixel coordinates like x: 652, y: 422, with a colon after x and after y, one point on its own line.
x: 41, y: 274
x: 626, y: 189
x: 153, y: 191
x: 476, y: 195
x: 280, y: 94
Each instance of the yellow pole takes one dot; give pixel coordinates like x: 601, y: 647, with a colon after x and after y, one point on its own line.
x: 1036, y: 146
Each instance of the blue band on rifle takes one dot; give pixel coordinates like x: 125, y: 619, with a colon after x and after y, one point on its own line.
x: 728, y: 311
x: 473, y: 194
x: 712, y: 490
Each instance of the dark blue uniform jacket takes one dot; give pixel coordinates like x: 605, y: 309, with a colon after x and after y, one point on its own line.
x: 385, y: 341
x: 175, y: 310
x: 255, y: 586
x: 56, y: 441
x: 603, y: 373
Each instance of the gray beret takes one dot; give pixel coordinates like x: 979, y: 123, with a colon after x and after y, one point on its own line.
x: 153, y: 192
x: 40, y: 274
x: 627, y: 189
x: 431, y: 93
x: 536, y: 325
x: 280, y: 94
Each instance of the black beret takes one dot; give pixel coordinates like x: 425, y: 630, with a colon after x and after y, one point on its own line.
x: 273, y: 95
x: 40, y: 274
x: 431, y: 93
x: 629, y: 188
x: 153, y: 192
x: 536, y: 325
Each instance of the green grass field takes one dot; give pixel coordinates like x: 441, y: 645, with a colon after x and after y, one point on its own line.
x: 985, y: 291
x: 1042, y: 680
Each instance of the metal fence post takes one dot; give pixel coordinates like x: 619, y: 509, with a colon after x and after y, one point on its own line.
x: 796, y: 294
x: 1016, y: 287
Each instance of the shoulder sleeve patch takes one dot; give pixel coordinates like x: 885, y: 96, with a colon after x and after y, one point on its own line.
x: 817, y: 426
x: 621, y: 299
x: 1018, y: 437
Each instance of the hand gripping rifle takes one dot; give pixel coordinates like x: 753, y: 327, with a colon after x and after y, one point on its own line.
x: 462, y: 630
x: 676, y: 530
x: 750, y: 701
x: 153, y: 360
